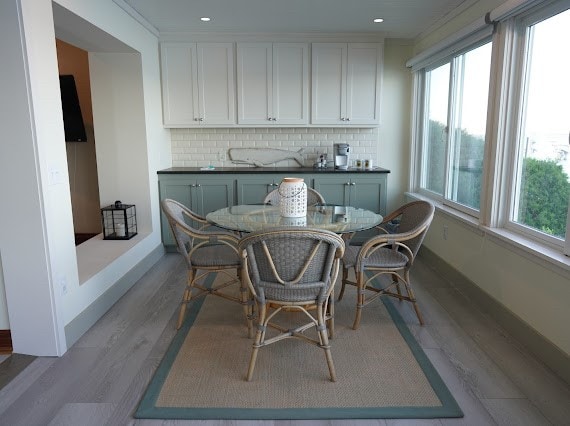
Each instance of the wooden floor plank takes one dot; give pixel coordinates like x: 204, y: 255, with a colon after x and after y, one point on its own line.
x: 88, y: 414
x: 103, y: 376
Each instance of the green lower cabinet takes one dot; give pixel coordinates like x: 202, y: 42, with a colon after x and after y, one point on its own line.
x: 365, y: 192
x: 202, y: 195
x: 334, y: 189
x: 253, y: 189
x: 205, y: 193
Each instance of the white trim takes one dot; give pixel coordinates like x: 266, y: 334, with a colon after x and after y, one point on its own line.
x: 511, y: 8
x: 467, y: 36
x: 137, y: 16
x: 416, y: 130
x: 466, y: 4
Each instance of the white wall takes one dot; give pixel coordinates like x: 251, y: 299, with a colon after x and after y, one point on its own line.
x: 36, y: 236
x: 394, y: 136
x: 535, y: 291
x: 36, y: 243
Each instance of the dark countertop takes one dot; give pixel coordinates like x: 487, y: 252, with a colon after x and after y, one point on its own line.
x: 249, y: 170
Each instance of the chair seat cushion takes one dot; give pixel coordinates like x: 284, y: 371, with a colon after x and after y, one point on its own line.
x: 381, y: 258
x: 307, y: 293
x: 215, y: 255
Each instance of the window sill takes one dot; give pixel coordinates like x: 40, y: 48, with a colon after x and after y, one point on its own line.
x: 96, y: 254
x: 530, y: 249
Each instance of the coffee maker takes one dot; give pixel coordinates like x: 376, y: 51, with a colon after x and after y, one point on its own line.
x: 341, y: 156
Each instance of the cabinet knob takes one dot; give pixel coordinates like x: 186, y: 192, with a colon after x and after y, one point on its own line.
x: 342, y: 119
x: 274, y: 119
x: 268, y: 118
x: 347, y: 119
x: 195, y: 119
x: 201, y: 119
x: 352, y: 183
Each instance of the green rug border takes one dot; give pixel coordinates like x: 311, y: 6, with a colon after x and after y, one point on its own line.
x: 147, y: 409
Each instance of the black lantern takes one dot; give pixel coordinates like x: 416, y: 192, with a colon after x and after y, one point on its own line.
x: 119, y: 221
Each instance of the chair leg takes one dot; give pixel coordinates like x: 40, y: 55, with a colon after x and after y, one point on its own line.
x: 359, y: 299
x: 246, y: 303
x: 412, y: 297
x: 330, y: 313
x: 397, y: 281
x: 325, y: 341
x: 259, y: 338
x: 344, y: 279
x: 185, y: 298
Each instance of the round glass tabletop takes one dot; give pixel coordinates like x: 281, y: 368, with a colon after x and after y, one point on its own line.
x: 251, y: 218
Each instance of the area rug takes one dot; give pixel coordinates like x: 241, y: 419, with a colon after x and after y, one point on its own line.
x: 381, y: 371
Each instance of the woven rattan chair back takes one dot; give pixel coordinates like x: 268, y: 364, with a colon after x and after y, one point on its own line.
x: 292, y: 268
x: 313, y: 198
x: 205, y: 252
x: 413, y: 217
x: 391, y: 254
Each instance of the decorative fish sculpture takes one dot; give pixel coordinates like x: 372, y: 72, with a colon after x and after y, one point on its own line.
x: 261, y: 157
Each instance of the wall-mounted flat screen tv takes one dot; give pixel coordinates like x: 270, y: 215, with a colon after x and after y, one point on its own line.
x: 72, y: 118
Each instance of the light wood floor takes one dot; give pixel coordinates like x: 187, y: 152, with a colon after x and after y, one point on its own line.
x: 100, y: 380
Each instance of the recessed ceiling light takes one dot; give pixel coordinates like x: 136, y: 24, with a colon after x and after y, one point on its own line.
x: 378, y: 20
x: 205, y: 19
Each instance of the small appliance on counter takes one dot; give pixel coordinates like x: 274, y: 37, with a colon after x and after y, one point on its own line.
x: 341, y: 156
x: 321, y: 161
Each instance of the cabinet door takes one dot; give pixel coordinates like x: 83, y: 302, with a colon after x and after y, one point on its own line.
x: 363, y: 83
x: 216, y: 86
x: 328, y: 83
x: 273, y: 81
x: 198, y: 85
x: 334, y: 189
x: 290, y: 83
x: 369, y: 192
x: 255, y: 83
x: 178, y: 190
x: 212, y: 194
x: 179, y: 84
x: 346, y: 83
x: 253, y: 189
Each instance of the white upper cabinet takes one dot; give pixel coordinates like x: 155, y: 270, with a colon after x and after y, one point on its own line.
x: 273, y: 83
x: 346, y: 80
x: 198, y: 87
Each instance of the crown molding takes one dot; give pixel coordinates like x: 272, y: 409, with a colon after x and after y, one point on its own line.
x: 137, y: 16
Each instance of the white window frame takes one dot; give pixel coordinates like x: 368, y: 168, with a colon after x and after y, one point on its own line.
x: 515, y: 115
x: 503, y: 127
x: 422, y: 92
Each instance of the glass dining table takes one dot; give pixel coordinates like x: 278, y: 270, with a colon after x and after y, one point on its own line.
x: 257, y: 217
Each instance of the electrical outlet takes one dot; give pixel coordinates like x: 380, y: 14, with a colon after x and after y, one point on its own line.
x: 63, y: 284
x: 445, y: 232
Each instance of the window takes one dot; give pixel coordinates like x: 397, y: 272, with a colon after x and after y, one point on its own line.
x: 455, y: 114
x: 527, y: 172
x: 541, y: 179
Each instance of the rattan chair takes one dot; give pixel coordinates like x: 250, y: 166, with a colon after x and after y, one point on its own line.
x: 205, y: 252
x: 313, y: 198
x: 392, y: 252
x: 292, y: 269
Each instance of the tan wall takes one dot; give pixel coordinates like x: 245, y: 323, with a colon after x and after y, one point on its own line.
x: 81, y: 159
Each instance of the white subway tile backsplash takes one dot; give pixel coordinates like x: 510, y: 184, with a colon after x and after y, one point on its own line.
x: 202, y: 146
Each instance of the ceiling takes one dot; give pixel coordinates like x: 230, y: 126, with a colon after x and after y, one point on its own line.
x: 402, y: 18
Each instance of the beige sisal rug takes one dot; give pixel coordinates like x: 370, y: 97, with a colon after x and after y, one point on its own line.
x: 381, y: 371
